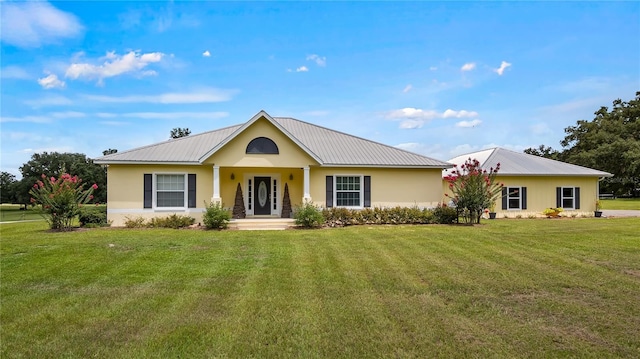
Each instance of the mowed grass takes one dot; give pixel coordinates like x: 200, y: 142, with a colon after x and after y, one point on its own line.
x: 509, y: 288
x: 621, y: 203
x: 12, y: 213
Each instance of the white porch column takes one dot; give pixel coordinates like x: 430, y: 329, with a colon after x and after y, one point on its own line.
x: 216, y: 185
x: 307, y: 195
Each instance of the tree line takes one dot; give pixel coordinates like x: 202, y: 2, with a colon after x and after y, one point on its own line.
x: 610, y: 142
x: 54, y: 164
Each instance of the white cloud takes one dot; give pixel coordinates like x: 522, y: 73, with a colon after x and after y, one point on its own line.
x: 407, y: 88
x: 115, y: 65
x: 68, y: 114
x: 433, y: 68
x: 411, y: 124
x: 51, y: 82
x: 413, y: 113
x: 113, y: 123
x: 458, y: 114
x: 26, y: 119
x: 320, y: 61
x: 302, y: 69
x: 206, y: 54
x: 468, y: 66
x: 34, y: 23
x: 49, y: 101
x: 176, y: 115
x: 503, y: 66
x: 468, y: 124
x: 206, y: 96
x: 14, y: 72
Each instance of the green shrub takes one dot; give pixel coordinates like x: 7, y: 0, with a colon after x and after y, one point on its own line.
x: 339, y: 217
x: 216, y: 217
x: 93, y: 216
x: 173, y: 221
x: 444, y: 214
x: 135, y: 222
x: 308, y: 216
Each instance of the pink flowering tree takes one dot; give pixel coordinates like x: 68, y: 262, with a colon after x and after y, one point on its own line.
x: 61, y: 199
x: 473, y: 189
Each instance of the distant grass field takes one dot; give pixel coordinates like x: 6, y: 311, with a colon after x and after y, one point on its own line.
x: 621, y: 203
x: 507, y: 288
x: 12, y: 212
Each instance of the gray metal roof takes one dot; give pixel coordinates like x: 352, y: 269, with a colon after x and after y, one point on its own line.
x: 521, y: 164
x: 328, y: 147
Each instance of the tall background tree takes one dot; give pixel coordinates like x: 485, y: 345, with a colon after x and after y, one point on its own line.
x: 53, y: 164
x: 109, y: 151
x: 610, y: 142
x: 180, y: 132
x: 7, y: 187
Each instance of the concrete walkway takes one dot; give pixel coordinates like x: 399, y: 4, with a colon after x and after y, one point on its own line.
x: 620, y: 213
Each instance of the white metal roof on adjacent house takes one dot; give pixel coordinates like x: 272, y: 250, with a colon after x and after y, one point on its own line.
x: 329, y: 147
x: 521, y: 164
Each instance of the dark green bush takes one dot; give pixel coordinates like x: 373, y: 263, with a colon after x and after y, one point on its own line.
x: 338, y: 217
x: 308, y: 216
x: 216, y: 217
x: 93, y: 216
x: 444, y: 214
x: 173, y: 221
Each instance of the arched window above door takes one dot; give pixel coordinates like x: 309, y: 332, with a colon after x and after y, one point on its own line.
x: 262, y: 145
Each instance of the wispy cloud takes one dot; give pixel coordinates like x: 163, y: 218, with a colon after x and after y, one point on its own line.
x: 176, y: 115
x: 412, y: 118
x: 319, y: 60
x: 114, y: 65
x: 26, y: 119
x: 503, y: 66
x: 469, y: 124
x: 468, y: 66
x: 205, y: 96
x: 302, y: 69
x: 449, y: 113
x: 68, y: 114
x: 51, y: 82
x: 15, y: 72
x: 52, y: 100
x: 34, y: 23
x: 206, y: 54
x: 407, y: 88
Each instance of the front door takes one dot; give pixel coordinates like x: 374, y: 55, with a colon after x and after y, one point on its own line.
x: 262, y: 199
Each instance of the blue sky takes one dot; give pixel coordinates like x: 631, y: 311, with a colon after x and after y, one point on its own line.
x: 436, y: 78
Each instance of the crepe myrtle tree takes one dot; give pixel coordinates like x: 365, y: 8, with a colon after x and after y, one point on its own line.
x: 473, y: 189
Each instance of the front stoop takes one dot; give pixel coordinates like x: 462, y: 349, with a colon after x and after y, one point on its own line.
x: 261, y: 224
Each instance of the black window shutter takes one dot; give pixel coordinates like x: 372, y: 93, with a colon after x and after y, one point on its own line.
x: 505, y: 193
x: 559, y: 197
x: 367, y: 191
x: 148, y: 190
x: 524, y: 197
x: 329, y: 194
x: 191, y: 183
x: 576, y: 194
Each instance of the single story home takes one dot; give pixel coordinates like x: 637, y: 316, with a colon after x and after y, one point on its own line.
x: 264, y: 165
x: 533, y: 183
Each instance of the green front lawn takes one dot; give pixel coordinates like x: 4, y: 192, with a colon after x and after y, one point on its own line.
x: 621, y: 203
x: 509, y: 288
x: 12, y: 213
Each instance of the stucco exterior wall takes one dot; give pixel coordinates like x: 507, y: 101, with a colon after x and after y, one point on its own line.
x: 390, y: 187
x: 233, y: 154
x: 541, y: 194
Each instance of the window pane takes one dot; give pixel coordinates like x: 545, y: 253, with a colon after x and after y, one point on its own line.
x: 170, y: 182
x: 567, y: 192
x: 567, y: 203
x: 348, y: 199
x: 170, y: 199
x: 514, y: 203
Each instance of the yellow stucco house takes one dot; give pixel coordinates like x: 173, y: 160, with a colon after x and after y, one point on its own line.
x: 264, y: 156
x: 532, y: 183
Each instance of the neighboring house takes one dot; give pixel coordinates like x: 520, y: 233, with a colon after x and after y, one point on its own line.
x: 532, y: 183
x: 264, y: 156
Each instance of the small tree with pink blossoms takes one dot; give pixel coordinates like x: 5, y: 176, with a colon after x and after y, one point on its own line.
x: 61, y: 199
x: 473, y: 189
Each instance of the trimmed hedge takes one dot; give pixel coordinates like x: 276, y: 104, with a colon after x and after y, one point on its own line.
x: 93, y: 216
x: 338, y: 217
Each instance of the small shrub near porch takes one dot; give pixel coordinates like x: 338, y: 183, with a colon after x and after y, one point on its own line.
x: 216, y: 217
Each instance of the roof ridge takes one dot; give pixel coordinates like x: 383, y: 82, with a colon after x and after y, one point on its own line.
x: 361, y: 138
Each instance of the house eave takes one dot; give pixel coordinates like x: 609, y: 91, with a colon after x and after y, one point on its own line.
x: 173, y: 163
x: 384, y: 166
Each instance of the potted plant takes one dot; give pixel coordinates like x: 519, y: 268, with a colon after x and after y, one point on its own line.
x: 597, y: 213
x: 492, y: 210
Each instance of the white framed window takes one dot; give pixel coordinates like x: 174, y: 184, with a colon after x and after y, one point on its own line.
x: 171, y: 190
x: 348, y: 191
x: 514, y: 198
x: 568, y: 198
